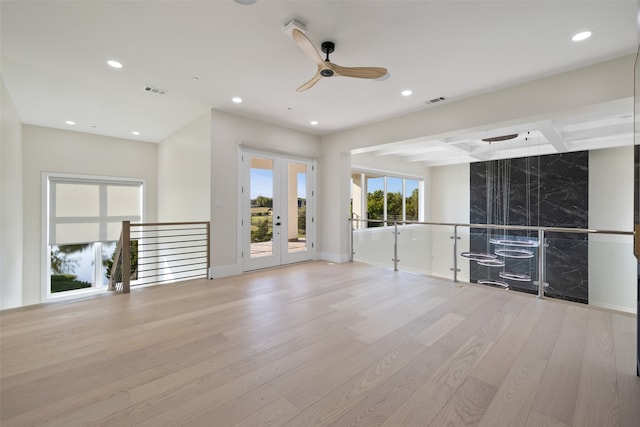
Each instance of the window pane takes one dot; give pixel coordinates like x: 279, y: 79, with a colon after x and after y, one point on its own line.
x: 113, y: 231
x: 261, y: 185
x: 394, y: 199
x: 123, y: 200
x: 411, y: 199
x: 108, y: 250
x: 76, y: 233
x: 72, y: 267
x: 77, y: 200
x: 297, y: 207
x: 375, y: 199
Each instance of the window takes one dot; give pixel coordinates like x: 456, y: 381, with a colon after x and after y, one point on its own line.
x: 384, y: 199
x: 84, y: 219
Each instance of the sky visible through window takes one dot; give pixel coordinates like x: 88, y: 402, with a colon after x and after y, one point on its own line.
x: 262, y: 183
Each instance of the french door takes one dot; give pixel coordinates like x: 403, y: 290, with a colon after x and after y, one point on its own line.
x: 277, y: 209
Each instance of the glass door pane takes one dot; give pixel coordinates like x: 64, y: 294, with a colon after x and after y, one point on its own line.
x: 296, y: 207
x: 261, y: 187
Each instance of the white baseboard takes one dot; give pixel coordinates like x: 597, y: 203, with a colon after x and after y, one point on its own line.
x: 333, y: 257
x: 225, y: 271
x: 616, y: 307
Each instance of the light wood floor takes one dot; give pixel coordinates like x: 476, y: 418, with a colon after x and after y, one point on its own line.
x: 318, y: 344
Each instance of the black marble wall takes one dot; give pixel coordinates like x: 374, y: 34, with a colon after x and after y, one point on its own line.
x: 549, y: 191
x: 636, y: 193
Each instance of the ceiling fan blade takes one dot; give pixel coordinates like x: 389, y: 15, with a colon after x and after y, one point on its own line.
x: 359, y: 72
x: 310, y: 83
x: 306, y: 45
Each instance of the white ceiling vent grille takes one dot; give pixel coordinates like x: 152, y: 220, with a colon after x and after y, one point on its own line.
x: 156, y: 90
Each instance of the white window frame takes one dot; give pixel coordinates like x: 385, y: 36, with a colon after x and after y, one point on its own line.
x: 389, y: 174
x: 46, y: 294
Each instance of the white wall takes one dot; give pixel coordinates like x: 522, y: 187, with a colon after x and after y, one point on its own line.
x: 184, y: 173
x: 450, y: 195
x: 388, y: 164
x: 11, y: 236
x: 61, y: 151
x: 612, y: 266
x: 228, y: 133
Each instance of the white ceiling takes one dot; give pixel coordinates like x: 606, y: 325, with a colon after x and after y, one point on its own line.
x: 203, y: 53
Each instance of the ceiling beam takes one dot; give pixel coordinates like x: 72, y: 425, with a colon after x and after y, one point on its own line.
x: 609, y: 131
x: 552, y: 135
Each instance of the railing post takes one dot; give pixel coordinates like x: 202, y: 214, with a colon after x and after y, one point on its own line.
x: 395, y: 245
x: 126, y: 257
x: 455, y: 253
x: 541, y: 254
x: 351, y: 240
x: 209, y: 249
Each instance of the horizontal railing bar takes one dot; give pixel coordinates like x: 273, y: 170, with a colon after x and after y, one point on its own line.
x: 203, y: 252
x: 160, y: 224
x: 171, y: 280
x: 507, y: 227
x: 146, y: 250
x: 176, y: 272
x: 171, y: 260
x: 175, y: 266
x: 173, y: 241
x: 173, y: 247
x: 142, y: 237
x: 197, y: 232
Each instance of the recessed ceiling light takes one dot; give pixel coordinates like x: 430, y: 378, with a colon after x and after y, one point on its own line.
x: 314, y: 123
x: 406, y: 92
x: 113, y: 63
x: 70, y: 122
x: 236, y: 99
x: 245, y: 2
x: 135, y: 132
x: 581, y: 36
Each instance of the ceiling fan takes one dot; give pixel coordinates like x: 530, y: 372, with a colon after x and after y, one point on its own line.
x: 327, y: 68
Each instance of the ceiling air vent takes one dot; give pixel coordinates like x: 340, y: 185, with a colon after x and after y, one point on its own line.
x: 157, y: 90
x: 436, y: 100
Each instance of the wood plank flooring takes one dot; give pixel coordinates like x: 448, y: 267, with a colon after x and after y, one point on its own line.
x: 318, y: 344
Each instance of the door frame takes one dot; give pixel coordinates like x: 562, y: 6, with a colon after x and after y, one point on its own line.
x: 280, y: 184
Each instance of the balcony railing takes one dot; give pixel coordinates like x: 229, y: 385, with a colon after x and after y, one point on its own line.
x: 583, y: 265
x: 160, y: 253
